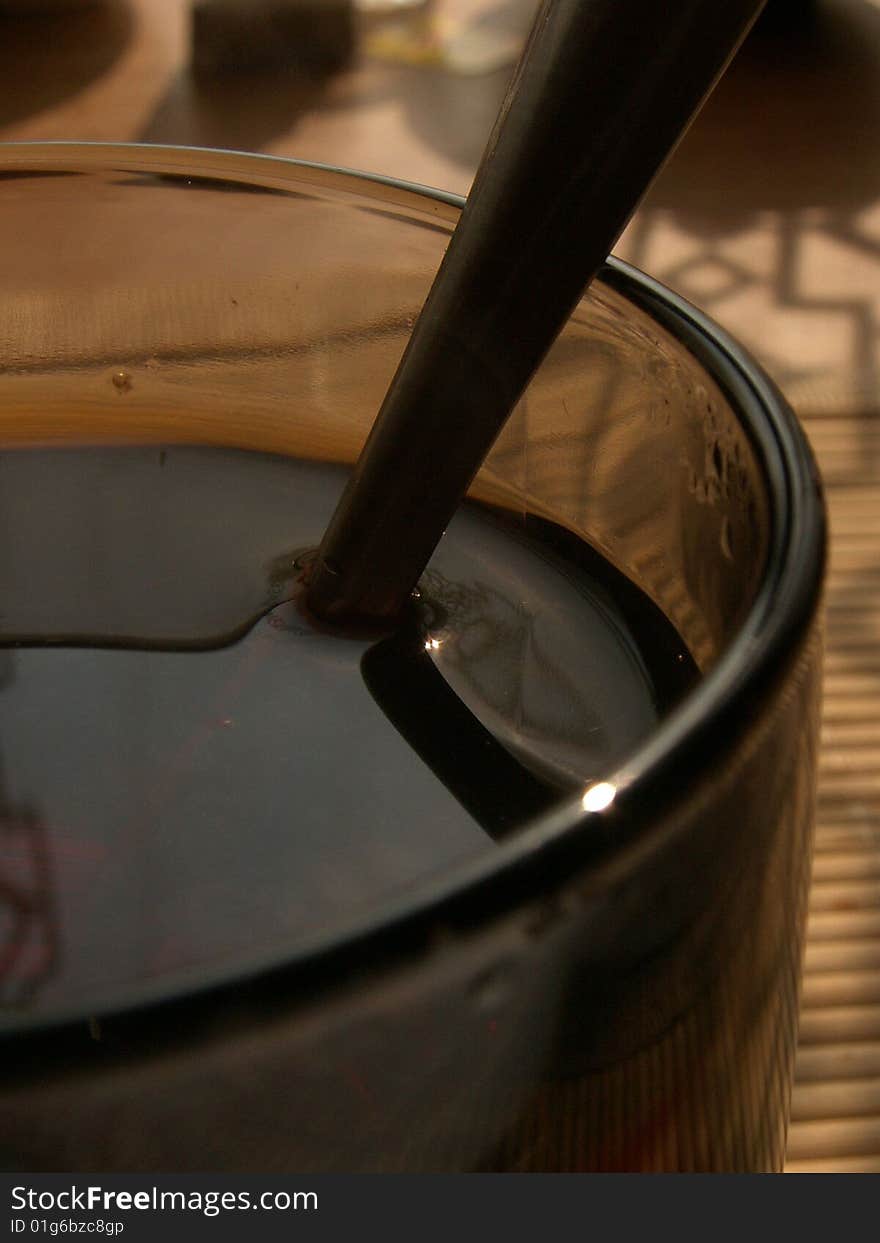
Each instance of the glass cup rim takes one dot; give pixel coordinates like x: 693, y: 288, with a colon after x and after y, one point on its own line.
x: 602, y: 833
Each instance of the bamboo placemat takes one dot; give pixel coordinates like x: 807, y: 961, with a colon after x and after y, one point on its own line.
x: 836, y: 1102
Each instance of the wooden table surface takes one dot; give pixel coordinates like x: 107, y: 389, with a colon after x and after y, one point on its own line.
x: 768, y: 217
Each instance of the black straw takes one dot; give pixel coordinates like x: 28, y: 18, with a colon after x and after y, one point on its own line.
x: 601, y: 96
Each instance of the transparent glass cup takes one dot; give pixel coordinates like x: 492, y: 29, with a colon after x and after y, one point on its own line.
x: 616, y: 985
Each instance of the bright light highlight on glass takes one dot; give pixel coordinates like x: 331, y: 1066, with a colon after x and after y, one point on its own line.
x: 599, y: 796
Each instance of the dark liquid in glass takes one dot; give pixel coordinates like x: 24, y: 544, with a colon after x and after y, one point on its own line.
x: 197, y: 781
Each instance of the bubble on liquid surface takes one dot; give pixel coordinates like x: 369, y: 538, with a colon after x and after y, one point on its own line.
x: 122, y: 381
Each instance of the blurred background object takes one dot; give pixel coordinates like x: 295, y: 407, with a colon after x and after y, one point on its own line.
x: 312, y: 36
x: 767, y: 216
